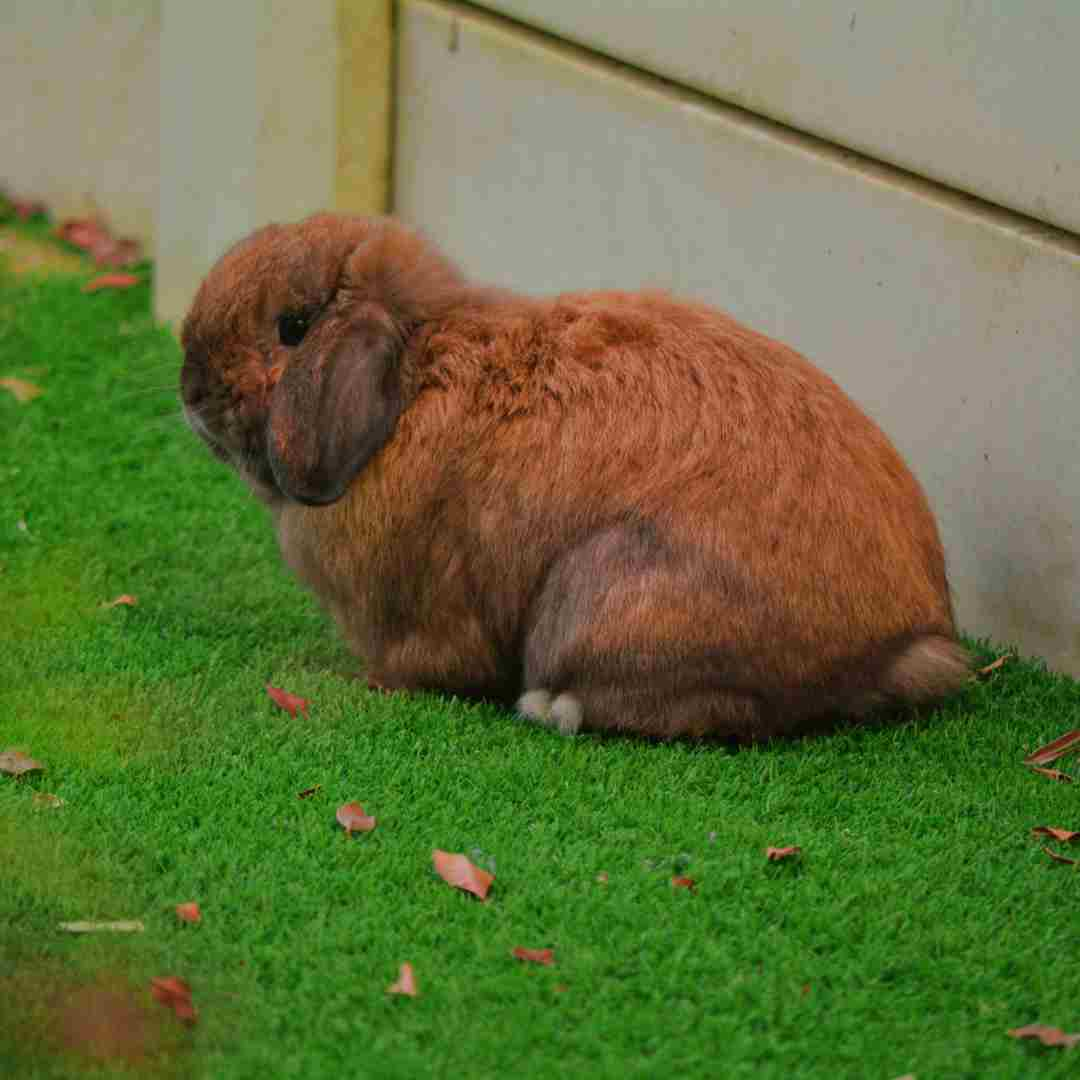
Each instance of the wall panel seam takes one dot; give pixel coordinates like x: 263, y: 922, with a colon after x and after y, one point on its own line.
x: 952, y: 199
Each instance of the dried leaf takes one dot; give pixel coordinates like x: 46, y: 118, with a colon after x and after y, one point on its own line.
x: 189, y: 912
x: 94, y: 237
x: 308, y: 792
x: 83, y: 233
x: 351, y: 818
x: 456, y: 870
x: 1048, y: 1036
x: 534, y: 956
x: 289, y: 702
x: 775, y: 854
x: 1053, y: 774
x: 406, y: 982
x: 683, y: 883
x: 1059, y: 858
x: 24, y: 391
x: 118, y: 251
x: 602, y: 877
x: 1053, y: 750
x: 125, y: 600
x: 45, y: 800
x: 999, y: 663
x: 1066, y: 836
x: 25, y: 209
x: 174, y: 994
x: 117, y: 926
x: 111, y: 281
x: 16, y: 763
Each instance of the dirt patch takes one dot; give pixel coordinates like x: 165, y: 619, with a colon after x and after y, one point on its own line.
x: 103, y: 1020
x: 105, y: 1023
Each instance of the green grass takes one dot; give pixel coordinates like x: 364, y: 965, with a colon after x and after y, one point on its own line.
x: 921, y: 923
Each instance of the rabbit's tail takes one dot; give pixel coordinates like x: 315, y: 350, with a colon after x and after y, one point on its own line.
x: 929, y: 669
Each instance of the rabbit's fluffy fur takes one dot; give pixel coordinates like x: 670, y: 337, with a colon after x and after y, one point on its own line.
x: 620, y: 510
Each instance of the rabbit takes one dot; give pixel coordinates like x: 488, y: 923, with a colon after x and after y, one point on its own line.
x: 620, y: 511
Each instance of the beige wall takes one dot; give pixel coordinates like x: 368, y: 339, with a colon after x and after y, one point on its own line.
x: 249, y: 130
x: 79, y: 123
x: 190, y: 122
x: 283, y: 110
x: 979, y: 94
x: 955, y: 324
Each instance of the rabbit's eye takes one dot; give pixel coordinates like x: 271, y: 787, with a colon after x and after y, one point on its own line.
x: 291, y: 329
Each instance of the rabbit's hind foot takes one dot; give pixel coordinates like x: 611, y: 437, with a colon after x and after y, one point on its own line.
x: 563, y: 712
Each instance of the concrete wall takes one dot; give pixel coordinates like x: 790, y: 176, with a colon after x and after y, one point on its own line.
x: 953, y: 322
x: 188, y: 123
x: 252, y: 136
x: 979, y: 94
x: 79, y: 124
x: 283, y: 109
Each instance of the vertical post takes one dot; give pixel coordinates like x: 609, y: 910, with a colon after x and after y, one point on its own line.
x: 365, y: 106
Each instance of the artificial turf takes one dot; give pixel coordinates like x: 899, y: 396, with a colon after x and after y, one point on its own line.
x: 919, y: 924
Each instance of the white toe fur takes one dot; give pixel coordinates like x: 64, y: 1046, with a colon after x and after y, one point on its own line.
x: 535, y: 704
x: 564, y: 713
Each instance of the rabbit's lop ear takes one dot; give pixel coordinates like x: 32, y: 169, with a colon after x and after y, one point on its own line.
x: 332, y: 411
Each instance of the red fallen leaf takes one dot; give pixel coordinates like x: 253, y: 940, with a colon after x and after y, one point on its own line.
x: 351, y: 818
x: 1059, y: 858
x: 1000, y: 662
x: 22, y: 390
x: 406, y: 982
x: 289, y: 702
x: 174, y: 994
x: 602, y: 877
x: 1066, y: 836
x: 111, y: 281
x: 308, y: 792
x: 189, y: 912
x: 456, y: 870
x: 805, y: 989
x: 534, y: 956
x: 117, y: 252
x: 683, y: 883
x: 93, y: 236
x: 126, y: 600
x: 1048, y: 1036
x: 83, y: 233
x: 1053, y: 774
x: 1053, y: 750
x: 16, y: 763
x: 27, y: 208
x: 775, y: 854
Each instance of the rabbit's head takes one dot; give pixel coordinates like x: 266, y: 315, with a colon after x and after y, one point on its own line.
x: 292, y: 349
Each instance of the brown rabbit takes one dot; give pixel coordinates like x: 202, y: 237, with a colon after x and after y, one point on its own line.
x: 622, y: 511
